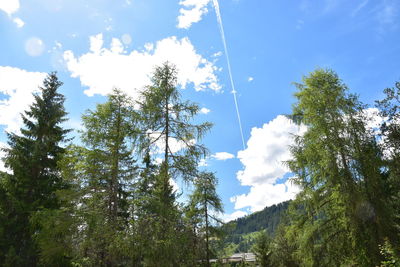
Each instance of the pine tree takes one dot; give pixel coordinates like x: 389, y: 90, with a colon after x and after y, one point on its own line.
x: 32, y: 157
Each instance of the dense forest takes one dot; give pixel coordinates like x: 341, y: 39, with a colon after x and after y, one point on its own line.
x: 108, y: 200
x: 240, y: 234
x: 268, y: 219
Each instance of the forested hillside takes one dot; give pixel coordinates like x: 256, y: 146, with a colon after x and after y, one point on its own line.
x: 240, y: 233
x: 266, y: 219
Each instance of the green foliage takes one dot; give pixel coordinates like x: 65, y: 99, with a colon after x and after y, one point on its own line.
x: 284, y: 248
x: 268, y: 218
x: 165, y: 123
x: 204, y: 204
x: 240, y: 233
x: 110, y: 202
x: 389, y: 108
x: 338, y: 166
x: 167, y: 119
x: 32, y: 157
x: 262, y: 249
x: 106, y: 173
x: 391, y: 258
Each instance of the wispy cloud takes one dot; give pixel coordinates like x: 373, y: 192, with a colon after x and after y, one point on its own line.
x: 330, y: 5
x: 299, y: 24
x: 304, y: 5
x: 192, y: 12
x: 388, y: 12
x: 359, y: 7
x: 19, y: 22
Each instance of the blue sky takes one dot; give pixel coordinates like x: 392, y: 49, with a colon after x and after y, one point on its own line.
x: 98, y: 44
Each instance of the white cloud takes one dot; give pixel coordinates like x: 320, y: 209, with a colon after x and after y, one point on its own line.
x: 9, y: 6
x: 174, y: 144
x: 204, y: 111
x: 217, y: 54
x: 17, y: 85
x: 250, y: 79
x: 266, y: 194
x: 232, y: 216
x: 175, y: 186
x: 192, y: 12
x: 223, y: 156
x: 20, y: 23
x: 374, y: 120
x: 102, y: 69
x: 267, y: 149
x: 203, y: 163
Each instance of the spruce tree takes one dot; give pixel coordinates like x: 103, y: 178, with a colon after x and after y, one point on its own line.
x: 32, y: 157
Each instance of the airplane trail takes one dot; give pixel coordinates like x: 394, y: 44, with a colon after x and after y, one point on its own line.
x: 221, y: 29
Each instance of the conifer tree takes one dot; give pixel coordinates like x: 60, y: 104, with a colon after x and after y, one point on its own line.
x: 205, y: 204
x: 341, y: 212
x: 262, y: 249
x: 107, y: 173
x: 166, y: 120
x: 32, y: 158
x: 389, y: 109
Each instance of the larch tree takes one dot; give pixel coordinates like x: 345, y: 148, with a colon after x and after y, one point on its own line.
x: 262, y: 248
x: 342, y: 217
x: 107, y: 173
x: 389, y: 109
x: 205, y: 205
x: 168, y: 132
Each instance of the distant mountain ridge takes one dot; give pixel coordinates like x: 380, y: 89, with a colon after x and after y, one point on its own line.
x: 268, y: 219
x: 240, y: 232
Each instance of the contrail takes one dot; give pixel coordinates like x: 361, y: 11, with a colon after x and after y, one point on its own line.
x: 221, y: 29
